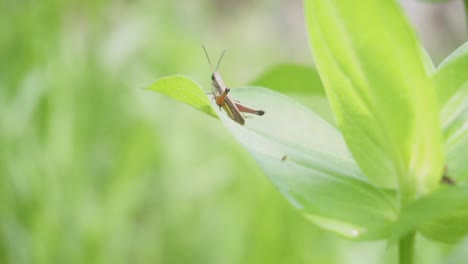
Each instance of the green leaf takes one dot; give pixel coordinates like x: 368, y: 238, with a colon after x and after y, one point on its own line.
x: 185, y: 90
x: 383, y: 100
x: 427, y: 60
x: 452, y: 73
x: 301, y: 82
x: 441, y: 216
x: 318, y: 104
x: 452, y: 88
x: 455, y: 128
x: 308, y: 161
x: 291, y: 78
x: 452, y: 85
x: 450, y: 228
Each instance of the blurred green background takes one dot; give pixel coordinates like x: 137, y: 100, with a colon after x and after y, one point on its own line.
x: 94, y: 169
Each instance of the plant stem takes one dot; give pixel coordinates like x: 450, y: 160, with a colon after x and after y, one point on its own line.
x: 406, y: 249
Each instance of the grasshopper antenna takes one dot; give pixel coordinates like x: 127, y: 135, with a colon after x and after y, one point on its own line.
x: 208, y: 58
x: 219, y: 61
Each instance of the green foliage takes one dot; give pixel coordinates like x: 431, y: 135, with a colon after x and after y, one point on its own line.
x: 455, y: 118
x: 308, y: 167
x: 316, y: 165
x: 185, y: 90
x: 450, y: 74
x: 452, y: 86
x: 300, y: 82
x: 383, y: 101
x: 440, y: 216
x: 388, y: 183
x: 94, y: 169
x: 291, y: 78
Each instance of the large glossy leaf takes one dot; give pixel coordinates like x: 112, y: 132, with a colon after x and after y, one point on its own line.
x: 308, y: 161
x: 383, y: 100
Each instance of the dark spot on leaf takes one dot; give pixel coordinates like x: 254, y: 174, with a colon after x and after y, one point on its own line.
x: 446, y: 179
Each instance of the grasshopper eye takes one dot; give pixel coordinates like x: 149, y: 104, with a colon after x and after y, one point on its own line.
x: 212, y: 77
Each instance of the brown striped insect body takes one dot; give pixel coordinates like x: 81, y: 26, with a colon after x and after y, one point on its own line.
x: 220, y: 93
